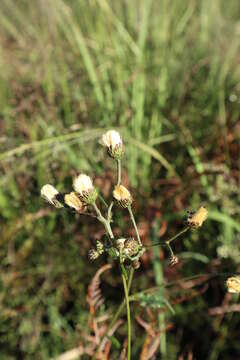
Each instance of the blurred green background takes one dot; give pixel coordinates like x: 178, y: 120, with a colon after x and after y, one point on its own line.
x: 166, y: 74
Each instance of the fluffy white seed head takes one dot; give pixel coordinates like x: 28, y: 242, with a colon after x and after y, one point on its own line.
x: 49, y: 193
x: 112, y: 139
x: 82, y: 184
x: 113, y: 142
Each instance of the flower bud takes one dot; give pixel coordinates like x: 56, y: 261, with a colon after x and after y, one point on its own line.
x: 136, y: 264
x: 113, y: 142
x: 83, y: 185
x: 122, y: 196
x: 73, y: 201
x: 131, y: 247
x: 51, y: 195
x: 93, y: 254
x: 196, y: 219
x: 120, y: 243
x: 174, y: 260
x: 233, y: 284
x: 99, y: 247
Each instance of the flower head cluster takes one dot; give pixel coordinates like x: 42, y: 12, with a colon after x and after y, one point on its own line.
x: 84, y: 194
x: 113, y: 142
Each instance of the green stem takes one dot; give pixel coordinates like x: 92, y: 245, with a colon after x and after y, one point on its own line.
x: 118, y: 172
x: 167, y: 242
x: 135, y: 225
x: 109, y: 214
x: 102, y: 200
x: 177, y: 235
x: 125, y: 286
x: 170, y: 249
x: 130, y: 278
x: 120, y: 308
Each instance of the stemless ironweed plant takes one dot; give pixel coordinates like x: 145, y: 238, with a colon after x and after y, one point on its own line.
x: 124, y: 250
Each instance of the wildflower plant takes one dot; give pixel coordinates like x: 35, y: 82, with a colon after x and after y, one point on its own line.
x: 127, y: 251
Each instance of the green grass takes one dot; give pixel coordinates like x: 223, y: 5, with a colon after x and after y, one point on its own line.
x: 167, y: 75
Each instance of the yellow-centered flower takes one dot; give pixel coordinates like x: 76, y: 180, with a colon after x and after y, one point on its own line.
x: 73, y: 201
x: 233, y: 284
x: 196, y: 219
x: 122, y: 196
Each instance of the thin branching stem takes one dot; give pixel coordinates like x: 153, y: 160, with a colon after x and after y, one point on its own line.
x: 109, y: 213
x: 209, y: 276
x: 102, y: 200
x: 167, y: 242
x: 104, y: 221
x: 134, y: 224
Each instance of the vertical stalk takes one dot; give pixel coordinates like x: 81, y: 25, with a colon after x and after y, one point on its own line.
x: 125, y: 286
x: 118, y: 172
x: 134, y: 224
x: 120, y: 307
x: 159, y: 279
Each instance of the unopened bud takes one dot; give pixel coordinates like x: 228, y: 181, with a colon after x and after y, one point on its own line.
x: 51, y: 195
x: 113, y: 142
x: 196, y: 219
x: 73, y: 201
x: 136, y: 264
x: 174, y: 260
x: 122, y: 196
x: 131, y: 247
x: 83, y: 185
x: 233, y: 284
x: 93, y: 254
x: 99, y: 247
x: 120, y: 243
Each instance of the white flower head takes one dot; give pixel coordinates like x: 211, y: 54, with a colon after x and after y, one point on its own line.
x: 113, y: 142
x: 111, y: 138
x: 83, y: 185
x: 73, y: 201
x: 49, y: 193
